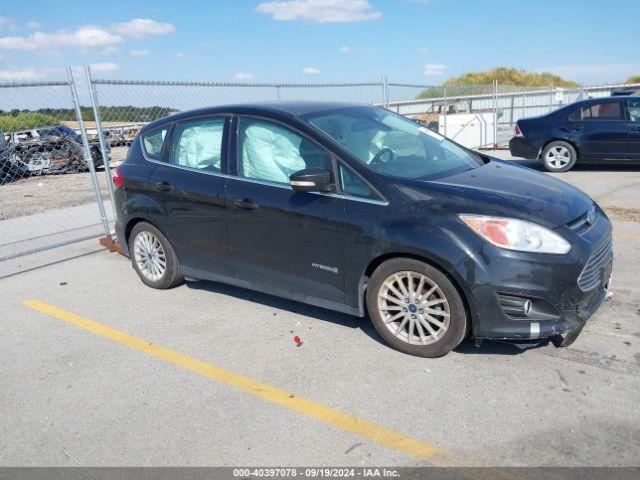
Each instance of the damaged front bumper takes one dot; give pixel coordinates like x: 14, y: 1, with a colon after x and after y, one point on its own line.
x: 577, y: 319
x: 525, y: 298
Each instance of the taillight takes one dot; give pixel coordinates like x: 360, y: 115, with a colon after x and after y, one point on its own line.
x: 517, y: 131
x: 118, y: 179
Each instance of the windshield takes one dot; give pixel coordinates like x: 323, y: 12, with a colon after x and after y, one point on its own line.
x: 392, y: 144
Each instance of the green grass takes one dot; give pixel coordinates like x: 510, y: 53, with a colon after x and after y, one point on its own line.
x: 25, y: 120
x: 479, y: 82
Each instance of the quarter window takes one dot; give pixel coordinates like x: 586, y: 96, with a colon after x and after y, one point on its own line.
x: 351, y: 184
x: 272, y: 152
x: 152, y: 143
x: 602, y: 111
x: 197, y: 144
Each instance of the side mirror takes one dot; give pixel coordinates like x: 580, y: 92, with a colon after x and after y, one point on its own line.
x: 311, y: 180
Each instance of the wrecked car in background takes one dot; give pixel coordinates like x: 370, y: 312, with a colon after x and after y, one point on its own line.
x: 52, y: 149
x: 120, y: 136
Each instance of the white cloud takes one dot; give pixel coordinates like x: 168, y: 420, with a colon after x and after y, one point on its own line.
x: 433, y: 69
x: 7, y: 23
x: 320, y: 11
x: 357, y: 50
x: 179, y: 55
x: 109, y: 51
x: 102, y: 67
x: 143, y: 27
x: 15, y: 74
x: 139, y: 53
x: 422, y: 50
x: 242, y: 76
x: 311, y: 71
x: 89, y: 36
x: 33, y: 25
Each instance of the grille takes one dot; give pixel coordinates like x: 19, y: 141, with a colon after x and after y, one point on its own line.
x: 592, y: 272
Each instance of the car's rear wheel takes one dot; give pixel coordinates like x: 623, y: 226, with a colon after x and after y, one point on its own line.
x: 153, y: 257
x: 559, y: 156
x: 416, y: 308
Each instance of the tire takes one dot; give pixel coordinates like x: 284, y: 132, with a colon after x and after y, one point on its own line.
x: 150, y: 271
x: 559, y: 156
x: 381, y: 310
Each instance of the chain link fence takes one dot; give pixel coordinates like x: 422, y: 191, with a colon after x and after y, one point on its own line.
x: 54, y: 150
x: 48, y: 186
x: 123, y: 107
x: 484, y: 116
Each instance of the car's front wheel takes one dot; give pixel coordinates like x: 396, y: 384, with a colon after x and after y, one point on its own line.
x: 559, y: 156
x: 153, y: 257
x: 416, y: 308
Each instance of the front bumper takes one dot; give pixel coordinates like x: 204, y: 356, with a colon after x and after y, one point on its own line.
x: 519, y: 147
x: 510, y: 283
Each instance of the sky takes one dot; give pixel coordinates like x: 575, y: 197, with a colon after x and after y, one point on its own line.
x: 410, y: 41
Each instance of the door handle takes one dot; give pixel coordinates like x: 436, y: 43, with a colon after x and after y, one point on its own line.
x: 164, y: 186
x: 245, y: 203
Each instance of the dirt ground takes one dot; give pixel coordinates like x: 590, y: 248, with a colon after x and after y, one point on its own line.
x: 46, y: 192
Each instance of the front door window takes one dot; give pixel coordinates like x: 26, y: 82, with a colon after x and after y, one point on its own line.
x: 271, y: 152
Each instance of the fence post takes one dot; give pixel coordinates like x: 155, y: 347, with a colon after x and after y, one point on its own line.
x: 495, y: 113
x: 87, y: 151
x: 444, y: 94
x: 103, y: 144
x: 385, y: 91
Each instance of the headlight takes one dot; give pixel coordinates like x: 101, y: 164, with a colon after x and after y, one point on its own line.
x: 515, y: 234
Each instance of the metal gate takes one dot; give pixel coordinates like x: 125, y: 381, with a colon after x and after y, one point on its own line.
x: 50, y: 193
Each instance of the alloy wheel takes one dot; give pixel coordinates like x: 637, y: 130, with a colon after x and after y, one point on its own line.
x: 150, y: 256
x: 558, y: 157
x: 413, y: 308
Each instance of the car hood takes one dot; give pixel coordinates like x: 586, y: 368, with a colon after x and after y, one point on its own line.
x: 500, y: 189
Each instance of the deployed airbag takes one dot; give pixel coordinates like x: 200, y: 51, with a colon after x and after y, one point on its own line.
x: 270, y: 152
x: 200, y: 146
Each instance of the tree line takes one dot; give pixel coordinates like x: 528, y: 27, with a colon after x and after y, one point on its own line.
x: 23, y: 119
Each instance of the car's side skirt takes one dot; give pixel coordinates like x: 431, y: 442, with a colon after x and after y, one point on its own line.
x: 272, y: 290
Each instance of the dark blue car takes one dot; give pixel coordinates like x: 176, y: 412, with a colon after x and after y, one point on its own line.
x: 596, y: 130
x: 357, y: 209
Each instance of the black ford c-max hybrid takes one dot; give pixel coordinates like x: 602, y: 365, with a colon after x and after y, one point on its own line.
x: 360, y: 210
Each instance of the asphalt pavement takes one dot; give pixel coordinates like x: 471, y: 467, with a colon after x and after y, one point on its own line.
x: 96, y: 369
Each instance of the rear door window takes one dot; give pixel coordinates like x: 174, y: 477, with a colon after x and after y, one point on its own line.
x: 197, y: 144
x: 602, y: 111
x: 152, y: 142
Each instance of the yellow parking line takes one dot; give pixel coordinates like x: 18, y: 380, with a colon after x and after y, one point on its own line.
x: 377, y: 433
